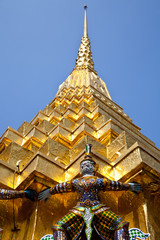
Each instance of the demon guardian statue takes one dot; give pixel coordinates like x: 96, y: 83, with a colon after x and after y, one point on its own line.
x: 90, y: 214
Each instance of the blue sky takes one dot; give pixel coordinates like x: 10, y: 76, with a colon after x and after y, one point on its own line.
x: 39, y: 42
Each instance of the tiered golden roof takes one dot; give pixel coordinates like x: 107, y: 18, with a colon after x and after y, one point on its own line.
x: 52, y: 145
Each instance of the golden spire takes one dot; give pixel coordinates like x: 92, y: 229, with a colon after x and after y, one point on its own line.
x: 83, y: 80
x: 84, y: 59
x: 85, y: 22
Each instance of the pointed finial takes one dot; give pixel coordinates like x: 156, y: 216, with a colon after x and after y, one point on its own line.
x: 85, y: 21
x: 88, y: 148
x: 84, y: 59
x: 88, y: 156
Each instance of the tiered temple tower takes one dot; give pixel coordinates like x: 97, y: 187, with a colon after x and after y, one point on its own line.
x: 52, y: 145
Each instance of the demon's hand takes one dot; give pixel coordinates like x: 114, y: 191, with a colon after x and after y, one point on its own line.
x: 44, y: 195
x: 135, y: 187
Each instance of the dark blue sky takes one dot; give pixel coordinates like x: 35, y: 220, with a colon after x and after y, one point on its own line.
x: 39, y: 41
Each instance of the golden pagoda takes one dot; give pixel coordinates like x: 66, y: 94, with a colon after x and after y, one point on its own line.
x: 49, y: 149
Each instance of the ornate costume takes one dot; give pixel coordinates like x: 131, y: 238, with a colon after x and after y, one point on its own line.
x: 89, y: 215
x: 89, y: 212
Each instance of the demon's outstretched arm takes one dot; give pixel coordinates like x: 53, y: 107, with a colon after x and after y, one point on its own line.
x: 119, y: 186
x: 58, y: 188
x: 12, y: 194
